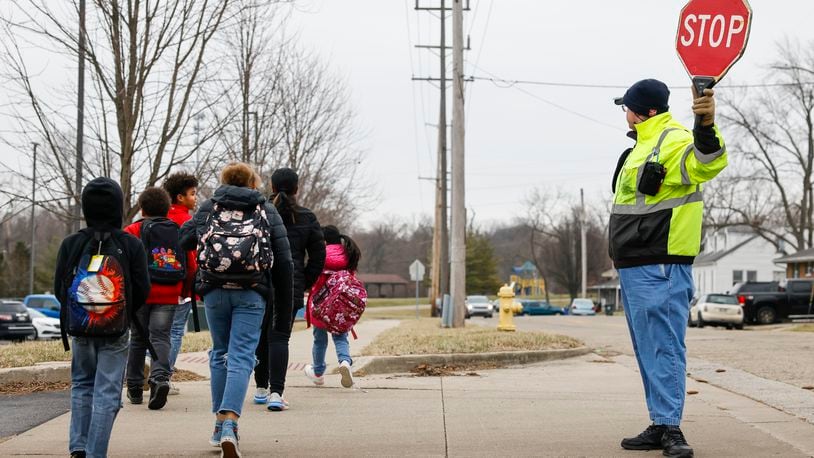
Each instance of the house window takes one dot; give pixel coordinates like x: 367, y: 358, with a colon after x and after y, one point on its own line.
x: 737, y: 276
x: 751, y: 275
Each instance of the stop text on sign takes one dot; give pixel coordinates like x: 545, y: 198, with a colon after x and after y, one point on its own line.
x: 706, y: 30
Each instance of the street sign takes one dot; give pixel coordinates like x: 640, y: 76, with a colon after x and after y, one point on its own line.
x: 712, y: 36
x: 417, y: 271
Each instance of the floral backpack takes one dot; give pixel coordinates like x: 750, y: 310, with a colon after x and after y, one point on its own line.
x: 340, y: 302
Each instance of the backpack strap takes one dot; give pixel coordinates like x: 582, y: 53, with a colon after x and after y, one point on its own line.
x: 115, y: 237
x: 196, y: 324
x: 73, y: 259
x: 353, y: 333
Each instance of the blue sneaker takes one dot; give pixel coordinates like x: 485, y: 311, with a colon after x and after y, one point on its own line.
x: 214, y: 441
x: 261, y: 396
x: 229, y: 439
x: 276, y: 403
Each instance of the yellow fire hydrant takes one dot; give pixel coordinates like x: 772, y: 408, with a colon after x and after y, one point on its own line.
x: 508, y: 307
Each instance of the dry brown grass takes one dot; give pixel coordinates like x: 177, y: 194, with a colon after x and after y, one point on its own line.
x: 803, y: 328
x: 425, y: 336
x: 30, y: 353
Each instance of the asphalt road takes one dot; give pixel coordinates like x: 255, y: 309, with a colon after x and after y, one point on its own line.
x: 771, y: 352
x: 23, y: 412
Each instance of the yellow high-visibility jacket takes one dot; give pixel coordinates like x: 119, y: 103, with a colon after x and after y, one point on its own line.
x: 664, y: 228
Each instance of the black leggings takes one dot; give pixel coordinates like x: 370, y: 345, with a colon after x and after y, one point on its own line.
x: 272, y: 355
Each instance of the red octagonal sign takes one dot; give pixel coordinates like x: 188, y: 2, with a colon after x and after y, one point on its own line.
x: 712, y: 35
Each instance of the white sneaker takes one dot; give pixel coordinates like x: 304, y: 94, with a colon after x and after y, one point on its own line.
x: 276, y: 403
x: 174, y: 390
x: 318, y: 380
x: 261, y: 396
x: 347, y: 374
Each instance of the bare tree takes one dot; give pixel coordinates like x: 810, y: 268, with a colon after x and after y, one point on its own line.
x: 283, y: 107
x: 554, y: 240
x: 770, y: 186
x: 145, y: 59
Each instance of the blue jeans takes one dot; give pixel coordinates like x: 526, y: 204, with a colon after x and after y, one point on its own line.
x: 97, y: 377
x: 657, y: 299
x: 234, y: 317
x: 179, y: 327
x: 321, y: 344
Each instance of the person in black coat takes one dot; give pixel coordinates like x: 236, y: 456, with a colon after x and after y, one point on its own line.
x: 308, y: 252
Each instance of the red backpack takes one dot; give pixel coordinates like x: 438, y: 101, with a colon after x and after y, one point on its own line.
x: 340, y: 302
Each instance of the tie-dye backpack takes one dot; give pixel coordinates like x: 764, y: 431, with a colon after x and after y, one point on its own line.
x: 97, y: 295
x: 234, y: 250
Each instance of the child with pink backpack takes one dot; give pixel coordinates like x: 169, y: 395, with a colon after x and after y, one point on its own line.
x: 336, y: 302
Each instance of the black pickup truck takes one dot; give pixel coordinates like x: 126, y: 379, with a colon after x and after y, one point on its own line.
x: 769, y: 302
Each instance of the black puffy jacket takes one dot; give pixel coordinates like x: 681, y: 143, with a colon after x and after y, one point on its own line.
x: 277, y: 284
x: 305, y: 238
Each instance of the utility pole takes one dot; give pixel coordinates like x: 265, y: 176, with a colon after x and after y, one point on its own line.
x: 583, y: 244
x: 440, y: 238
x: 458, y: 252
x: 33, y: 224
x: 80, y: 122
x: 439, y: 275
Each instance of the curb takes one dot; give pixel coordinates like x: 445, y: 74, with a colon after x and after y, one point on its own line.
x: 394, y: 364
x: 45, y: 372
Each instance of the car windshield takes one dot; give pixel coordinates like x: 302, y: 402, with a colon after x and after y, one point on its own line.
x: 13, y: 307
x: 534, y: 303
x: 722, y: 299
x: 477, y: 299
x: 583, y: 304
x: 35, y: 313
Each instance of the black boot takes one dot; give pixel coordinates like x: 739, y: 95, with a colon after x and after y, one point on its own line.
x: 158, y: 394
x: 649, y: 439
x: 674, y: 444
x: 135, y: 394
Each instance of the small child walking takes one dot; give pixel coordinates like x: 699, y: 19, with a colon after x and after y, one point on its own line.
x: 341, y: 254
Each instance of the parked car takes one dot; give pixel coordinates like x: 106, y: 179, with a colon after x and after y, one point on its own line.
x: 47, y: 304
x: 582, y: 306
x: 479, y: 305
x: 791, y: 297
x: 45, y: 326
x: 15, y: 322
x: 532, y: 307
x: 716, y: 309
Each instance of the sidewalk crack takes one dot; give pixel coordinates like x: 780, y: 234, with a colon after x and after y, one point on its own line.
x: 444, y: 416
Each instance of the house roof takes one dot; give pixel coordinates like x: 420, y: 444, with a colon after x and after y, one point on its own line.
x: 709, y: 258
x: 387, y: 279
x: 611, y: 284
x: 800, y: 256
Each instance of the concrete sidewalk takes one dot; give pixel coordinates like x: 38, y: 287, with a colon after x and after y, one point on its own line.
x: 577, y: 407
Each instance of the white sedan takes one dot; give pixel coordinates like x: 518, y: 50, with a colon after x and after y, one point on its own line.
x: 46, y: 327
x: 716, y: 309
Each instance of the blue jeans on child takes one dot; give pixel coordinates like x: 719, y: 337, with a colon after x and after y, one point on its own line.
x: 97, y: 377
x: 656, y: 299
x: 234, y: 317
x: 321, y: 345
x: 179, y: 326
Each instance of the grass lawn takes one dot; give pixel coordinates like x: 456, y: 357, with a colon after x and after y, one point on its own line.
x: 425, y: 336
x: 385, y: 301
x: 803, y: 328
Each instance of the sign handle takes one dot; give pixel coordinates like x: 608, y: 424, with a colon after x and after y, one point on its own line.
x: 699, y: 83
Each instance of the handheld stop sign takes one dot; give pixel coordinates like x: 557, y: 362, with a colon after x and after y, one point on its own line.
x: 712, y: 36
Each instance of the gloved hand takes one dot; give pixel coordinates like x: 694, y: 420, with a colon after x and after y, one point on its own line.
x: 704, y: 107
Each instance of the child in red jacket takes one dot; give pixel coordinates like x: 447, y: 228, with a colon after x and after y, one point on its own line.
x: 183, y: 190
x: 158, y: 314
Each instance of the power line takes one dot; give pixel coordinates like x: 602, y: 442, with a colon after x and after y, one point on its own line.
x: 506, y: 83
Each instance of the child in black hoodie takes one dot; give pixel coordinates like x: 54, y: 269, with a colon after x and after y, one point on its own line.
x: 98, y: 363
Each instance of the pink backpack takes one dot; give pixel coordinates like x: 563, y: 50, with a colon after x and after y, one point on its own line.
x: 340, y: 302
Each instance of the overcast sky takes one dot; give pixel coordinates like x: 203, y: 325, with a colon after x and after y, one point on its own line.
x: 516, y: 137
x: 521, y: 136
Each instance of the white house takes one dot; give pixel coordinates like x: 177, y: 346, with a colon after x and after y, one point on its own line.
x: 735, y: 254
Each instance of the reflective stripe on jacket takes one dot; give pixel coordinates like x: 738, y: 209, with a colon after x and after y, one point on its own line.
x: 666, y: 227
